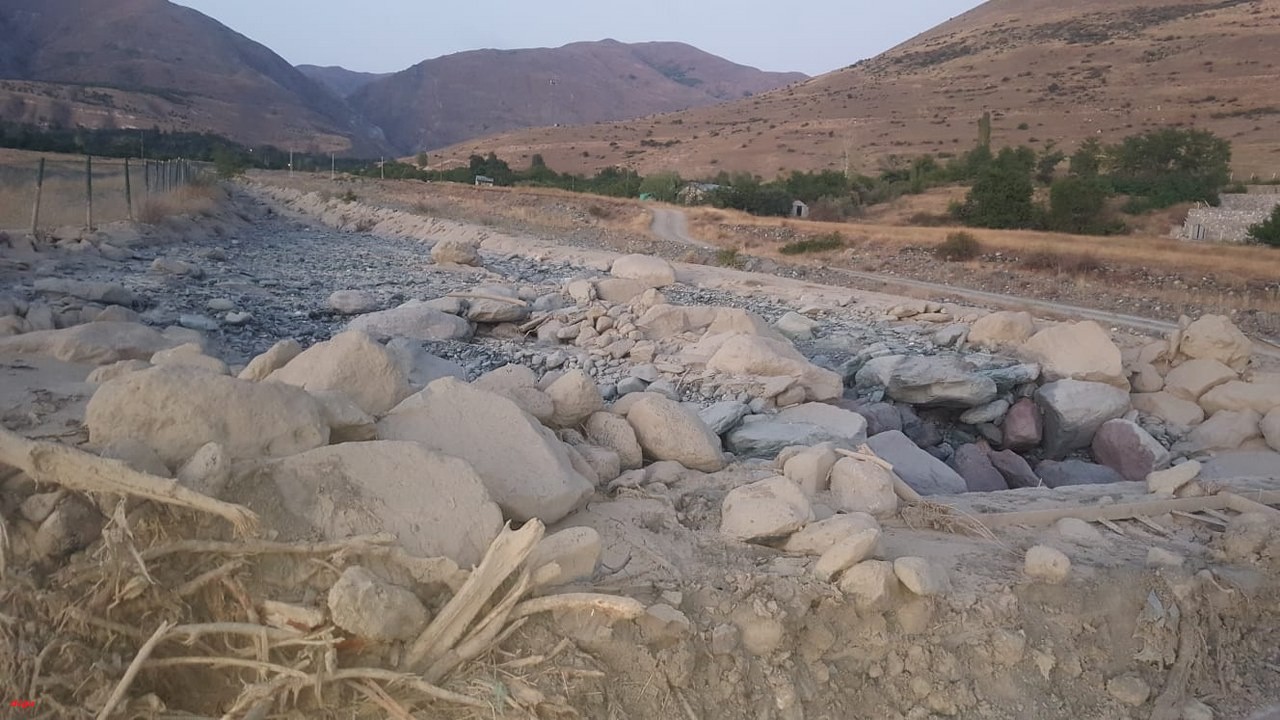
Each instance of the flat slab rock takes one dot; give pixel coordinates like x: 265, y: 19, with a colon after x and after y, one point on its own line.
x: 764, y: 436
x: 926, y: 474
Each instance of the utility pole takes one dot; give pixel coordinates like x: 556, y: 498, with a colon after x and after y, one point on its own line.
x: 382, y: 164
x: 333, y: 167
x: 290, y: 163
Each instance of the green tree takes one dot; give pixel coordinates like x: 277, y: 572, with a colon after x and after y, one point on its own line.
x: 1047, y: 164
x: 1171, y: 165
x: 228, y: 163
x: 1087, y: 159
x: 422, y: 159
x: 984, y: 130
x: 662, y: 185
x: 1078, y: 205
x: 1267, y: 232
x: 1001, y: 197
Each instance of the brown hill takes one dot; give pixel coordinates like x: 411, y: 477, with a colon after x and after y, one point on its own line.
x: 1047, y: 70
x: 466, y: 95
x: 144, y: 63
x: 340, y: 81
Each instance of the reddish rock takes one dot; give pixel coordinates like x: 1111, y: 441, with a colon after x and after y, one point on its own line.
x: 1023, y: 426
x: 1016, y: 471
x: 975, y: 467
x: 1126, y: 448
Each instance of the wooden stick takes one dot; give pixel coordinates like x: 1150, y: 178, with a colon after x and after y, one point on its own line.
x: 265, y: 547
x: 134, y: 668
x: 623, y: 608
x: 1096, y: 513
x: 1256, y: 503
x: 409, y: 681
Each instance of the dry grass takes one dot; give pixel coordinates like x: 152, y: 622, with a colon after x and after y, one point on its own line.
x: 198, y: 199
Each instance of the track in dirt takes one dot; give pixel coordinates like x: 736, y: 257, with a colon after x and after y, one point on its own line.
x: 672, y: 225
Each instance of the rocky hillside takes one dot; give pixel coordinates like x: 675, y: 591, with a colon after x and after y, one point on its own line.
x: 340, y: 81
x: 1048, y: 71
x: 145, y: 63
x: 466, y: 95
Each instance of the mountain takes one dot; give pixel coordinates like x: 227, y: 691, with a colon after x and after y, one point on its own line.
x: 1047, y: 71
x: 449, y: 99
x: 340, y: 81
x: 144, y: 63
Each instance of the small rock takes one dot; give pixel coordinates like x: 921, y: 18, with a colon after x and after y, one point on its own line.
x: 202, y: 323
x: 992, y: 412
x: 173, y: 266
x: 1001, y: 329
x: 352, y: 302
x: 455, y: 252
x: 763, y: 510
x: 973, y: 462
x: 575, y: 550
x: 1130, y: 690
x: 1217, y: 338
x: 872, y: 584
x: 365, y: 606
x: 218, y: 305
x: 190, y: 355
x: 273, y: 359
x: 1023, y: 426
x: 796, y: 327
x: 662, y: 624
x: 575, y: 398
x: 652, y: 272
x: 1168, y: 482
x: 862, y: 486
x: 1160, y: 557
x: 668, y: 431
x: 1047, y: 564
x: 73, y: 526
x: 1078, y: 531
x: 816, y: 538
x: 724, y: 416
x: 1126, y: 448
x: 207, y: 472
x: 846, y: 553
x: 810, y: 469
x: 921, y: 576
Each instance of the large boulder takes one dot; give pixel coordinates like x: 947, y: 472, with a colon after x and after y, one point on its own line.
x: 351, y: 363
x: 773, y: 508
x: 1217, y: 338
x: 669, y: 431
x: 650, y: 271
x: 176, y: 410
x: 926, y: 474
x: 487, y: 310
x: 1073, y: 412
x: 1075, y: 472
x: 760, y: 356
x: 99, y: 343
x: 455, y: 252
x: 940, y: 380
x: 436, y: 505
x: 413, y: 320
x: 1236, y: 396
x: 527, y: 470
x: 1194, y: 378
x: 1125, y: 447
x: 607, y: 430
x: 1079, y: 351
x: 1179, y: 414
x: 764, y: 436
x: 1004, y: 328
x: 1226, y: 430
x: 973, y: 462
x: 575, y: 397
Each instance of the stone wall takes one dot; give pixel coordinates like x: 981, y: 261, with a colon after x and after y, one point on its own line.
x: 1230, y: 221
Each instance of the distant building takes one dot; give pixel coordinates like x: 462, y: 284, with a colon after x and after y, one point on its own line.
x: 799, y: 209
x: 694, y: 192
x: 484, y: 181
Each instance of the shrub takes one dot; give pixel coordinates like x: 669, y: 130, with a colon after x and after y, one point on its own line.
x: 1063, y: 263
x: 600, y: 212
x: 364, y: 225
x: 729, y: 257
x: 958, y: 247
x: 348, y: 197
x: 1078, y: 205
x: 822, y: 243
x: 1267, y: 232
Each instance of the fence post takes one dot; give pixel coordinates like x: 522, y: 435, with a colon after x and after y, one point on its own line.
x: 35, y: 207
x: 128, y: 189
x: 88, y: 193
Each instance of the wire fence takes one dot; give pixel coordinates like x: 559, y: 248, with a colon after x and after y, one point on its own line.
x: 52, y: 192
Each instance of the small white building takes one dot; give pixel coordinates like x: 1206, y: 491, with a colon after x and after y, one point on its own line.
x: 484, y: 181
x: 799, y: 209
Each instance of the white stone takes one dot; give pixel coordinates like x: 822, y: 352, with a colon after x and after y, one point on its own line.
x: 273, y: 359
x: 1226, y: 430
x: 871, y: 584
x: 921, y: 576
x: 846, y: 553
x: 863, y: 486
x: 652, y: 272
x: 347, y: 422
x: 1168, y: 482
x: 1236, y: 396
x: 1217, y: 338
x: 351, y: 363
x: 759, y: 356
x: 1194, y: 378
x: 811, y: 469
x: 766, y: 509
x: 413, y: 320
x: 667, y: 430
x: 575, y: 398
x: 1077, y: 351
x: 1048, y: 564
x: 352, y: 302
x: 98, y: 343
x: 455, y: 252
x: 192, y: 356
x: 367, y: 607
x: 816, y: 538
x: 207, y: 472
x: 611, y: 431
x: 1175, y: 412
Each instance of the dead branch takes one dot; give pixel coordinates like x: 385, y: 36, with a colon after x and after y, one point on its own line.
x: 264, y: 547
x: 623, y: 608
x: 134, y: 668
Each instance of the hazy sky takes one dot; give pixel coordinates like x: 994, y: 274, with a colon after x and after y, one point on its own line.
x: 388, y: 35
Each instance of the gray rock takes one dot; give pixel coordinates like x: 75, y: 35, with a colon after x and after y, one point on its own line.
x: 420, y: 366
x: 647, y: 372
x: 238, y: 319
x: 795, y: 326
x: 626, y: 386
x: 220, y: 305
x: 202, y: 323
x: 975, y: 466
x: 496, y: 311
x: 764, y: 436
x: 413, y: 320
x: 1008, y: 378
x: 939, y: 381
x: 1015, y: 469
x: 951, y: 335
x: 352, y: 302
x: 992, y: 412
x: 923, y: 472
x: 881, y: 417
x: 1073, y: 412
x: 1075, y: 472
x: 99, y: 292
x: 723, y: 416
x: 365, y: 606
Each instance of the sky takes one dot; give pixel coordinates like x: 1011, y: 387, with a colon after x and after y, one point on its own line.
x: 815, y: 37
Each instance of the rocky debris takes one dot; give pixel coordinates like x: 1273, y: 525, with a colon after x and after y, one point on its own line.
x: 764, y: 436
x: 1194, y: 378
x: 1215, y: 337
x: 352, y: 302
x: 761, y: 357
x: 176, y: 410
x: 1048, y: 564
x: 973, y: 462
x: 574, y: 397
x: 1236, y: 395
x: 94, y: 292
x: 1056, y: 474
x: 174, y: 266
x: 1226, y: 430
x: 668, y: 431
x: 819, y: 537
x: 610, y: 431
x: 368, y: 607
x: 1001, y: 329
x: 810, y: 469
x: 925, y: 474
x: 351, y: 363
x: 846, y: 553
x: 939, y: 381
x: 1073, y: 412
x: 98, y: 343
x: 527, y: 470
x: 652, y: 272
x: 922, y: 576
x: 1023, y: 426
x: 455, y: 252
x: 863, y: 486
x: 1076, y: 351
x: 190, y: 355
x: 415, y: 320
x: 1125, y: 447
x: 575, y: 551
x: 872, y: 585
x: 1179, y: 414
x: 764, y: 510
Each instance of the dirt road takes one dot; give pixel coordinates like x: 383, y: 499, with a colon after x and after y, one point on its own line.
x: 672, y: 225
